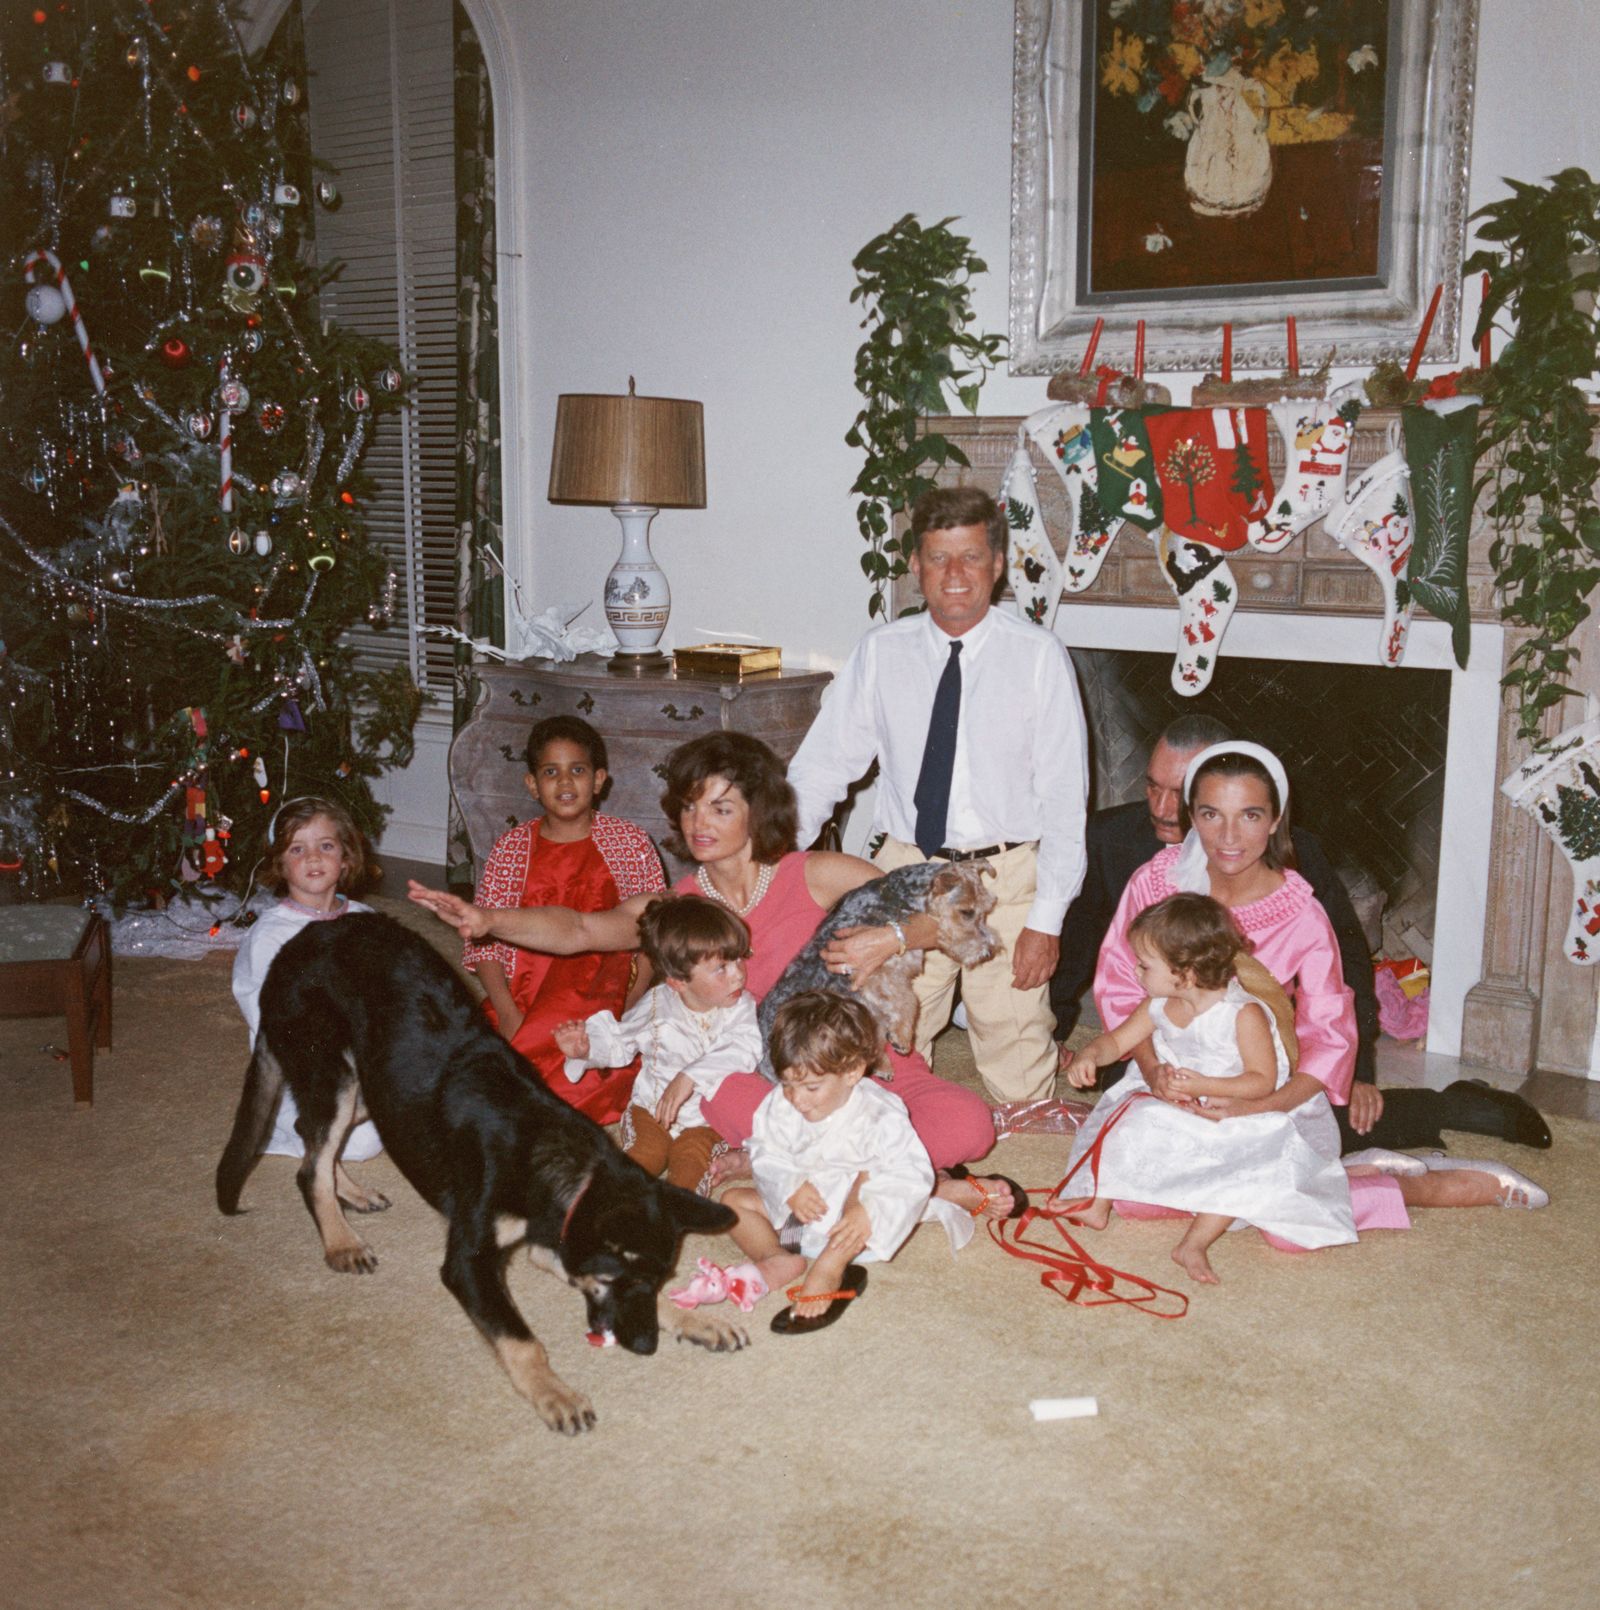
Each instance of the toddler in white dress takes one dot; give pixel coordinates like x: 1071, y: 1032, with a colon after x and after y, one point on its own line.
x: 840, y: 1176
x: 1277, y: 1170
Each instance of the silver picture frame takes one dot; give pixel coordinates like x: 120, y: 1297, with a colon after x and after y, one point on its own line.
x: 1428, y: 141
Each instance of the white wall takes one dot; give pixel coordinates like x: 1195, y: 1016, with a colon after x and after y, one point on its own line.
x: 685, y: 182
x: 699, y: 174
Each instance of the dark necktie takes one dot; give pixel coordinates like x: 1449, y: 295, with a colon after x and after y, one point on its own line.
x: 939, y: 757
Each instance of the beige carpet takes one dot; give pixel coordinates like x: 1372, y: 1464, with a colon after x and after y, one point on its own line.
x: 197, y: 1413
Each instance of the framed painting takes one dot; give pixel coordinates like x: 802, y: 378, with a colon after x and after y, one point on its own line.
x: 1192, y: 163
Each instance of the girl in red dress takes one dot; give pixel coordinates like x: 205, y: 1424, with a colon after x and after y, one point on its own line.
x: 575, y: 857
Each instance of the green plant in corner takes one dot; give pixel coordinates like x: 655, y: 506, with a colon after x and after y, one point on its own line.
x: 1538, y: 435
x: 915, y: 285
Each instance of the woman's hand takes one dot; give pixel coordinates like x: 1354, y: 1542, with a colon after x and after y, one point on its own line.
x: 1366, y: 1106
x: 468, y: 920
x: 859, y: 952
x: 672, y: 1100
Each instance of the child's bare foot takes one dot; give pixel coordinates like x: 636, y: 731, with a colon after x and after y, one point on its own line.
x: 1193, y: 1260
x: 984, y: 1196
x: 1091, y: 1214
x: 728, y: 1166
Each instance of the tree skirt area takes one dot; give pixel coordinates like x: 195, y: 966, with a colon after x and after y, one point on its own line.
x: 199, y: 1413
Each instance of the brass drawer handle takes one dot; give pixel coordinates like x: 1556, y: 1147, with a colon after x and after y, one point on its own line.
x: 518, y: 697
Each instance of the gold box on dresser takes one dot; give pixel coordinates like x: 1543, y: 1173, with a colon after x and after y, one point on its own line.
x: 727, y: 659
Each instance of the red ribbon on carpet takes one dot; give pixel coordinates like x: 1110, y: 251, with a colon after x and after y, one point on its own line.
x: 1075, y: 1275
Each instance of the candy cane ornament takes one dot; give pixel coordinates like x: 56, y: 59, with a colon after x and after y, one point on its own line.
x: 64, y: 285
x: 225, y: 442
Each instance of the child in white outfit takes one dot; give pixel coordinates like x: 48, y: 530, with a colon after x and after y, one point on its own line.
x: 1277, y: 1170
x: 314, y: 854
x: 840, y: 1174
x: 691, y: 1030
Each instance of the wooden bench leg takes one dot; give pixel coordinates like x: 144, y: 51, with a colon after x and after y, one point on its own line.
x: 80, y: 1042
x: 102, y: 999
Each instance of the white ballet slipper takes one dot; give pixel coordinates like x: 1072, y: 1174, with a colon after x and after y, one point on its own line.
x: 1516, y: 1189
x: 1384, y: 1161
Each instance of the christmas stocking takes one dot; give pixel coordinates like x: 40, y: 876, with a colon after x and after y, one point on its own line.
x: 1561, y: 790
x: 1316, y: 461
x: 1373, y: 522
x: 1031, y: 563
x: 1199, y: 577
x: 1063, y: 436
x: 1441, y: 446
x: 1127, y: 487
x: 1212, y: 466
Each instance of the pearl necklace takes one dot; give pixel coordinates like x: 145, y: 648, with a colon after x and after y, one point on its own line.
x: 764, y: 876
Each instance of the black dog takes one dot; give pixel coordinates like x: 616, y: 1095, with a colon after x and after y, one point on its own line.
x: 362, y: 1013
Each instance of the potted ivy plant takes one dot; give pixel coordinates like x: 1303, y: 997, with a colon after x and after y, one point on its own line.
x: 915, y: 285
x: 1537, y: 431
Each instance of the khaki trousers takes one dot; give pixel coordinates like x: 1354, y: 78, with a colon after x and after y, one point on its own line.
x: 1012, y: 1030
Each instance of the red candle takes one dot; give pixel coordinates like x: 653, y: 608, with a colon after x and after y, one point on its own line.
x: 1484, y: 356
x: 1138, y: 351
x: 1227, y: 353
x: 1422, y: 334
x: 1094, y: 341
x: 1294, y: 349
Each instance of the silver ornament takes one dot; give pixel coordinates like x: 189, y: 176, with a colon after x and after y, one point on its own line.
x: 286, y: 195
x: 37, y: 478
x: 46, y: 304
x: 358, y: 399
x: 328, y: 193
x: 199, y: 424
x: 56, y: 72
x: 244, y: 116
x: 233, y: 395
x: 263, y: 543
x: 122, y: 579
x: 122, y: 205
x: 289, y: 92
x: 390, y: 380
x: 287, y: 487
x: 238, y: 542
x: 251, y: 341
x: 206, y: 232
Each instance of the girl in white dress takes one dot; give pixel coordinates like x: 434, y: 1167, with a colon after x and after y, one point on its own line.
x: 840, y: 1175
x: 314, y: 856
x: 1277, y: 1170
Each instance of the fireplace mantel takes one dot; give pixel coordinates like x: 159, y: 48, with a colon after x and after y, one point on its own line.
x: 1530, y: 1007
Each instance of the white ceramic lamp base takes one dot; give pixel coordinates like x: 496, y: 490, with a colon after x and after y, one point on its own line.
x: 637, y: 598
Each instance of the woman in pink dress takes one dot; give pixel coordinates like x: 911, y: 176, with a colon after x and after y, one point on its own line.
x: 736, y: 818
x: 1238, y: 851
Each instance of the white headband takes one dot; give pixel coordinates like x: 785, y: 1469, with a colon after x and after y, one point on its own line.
x: 1273, y: 766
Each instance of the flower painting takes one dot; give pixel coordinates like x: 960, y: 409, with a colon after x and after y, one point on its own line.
x: 1234, y: 143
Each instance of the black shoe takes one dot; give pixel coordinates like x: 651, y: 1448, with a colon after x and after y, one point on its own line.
x: 1480, y: 1109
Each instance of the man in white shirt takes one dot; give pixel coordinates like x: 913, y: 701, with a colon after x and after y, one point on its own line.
x: 974, y: 718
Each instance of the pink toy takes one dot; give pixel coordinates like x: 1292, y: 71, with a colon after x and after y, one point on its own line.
x: 742, y: 1284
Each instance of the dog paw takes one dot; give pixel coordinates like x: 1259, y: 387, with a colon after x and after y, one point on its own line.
x: 711, y: 1331
x: 353, y: 1260
x: 564, y: 1410
x: 368, y: 1202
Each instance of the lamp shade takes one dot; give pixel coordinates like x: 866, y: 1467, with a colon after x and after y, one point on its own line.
x: 643, y: 450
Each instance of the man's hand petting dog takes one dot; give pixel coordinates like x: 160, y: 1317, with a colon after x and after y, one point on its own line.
x: 361, y: 1016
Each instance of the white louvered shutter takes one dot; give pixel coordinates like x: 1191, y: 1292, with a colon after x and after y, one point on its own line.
x: 382, y: 105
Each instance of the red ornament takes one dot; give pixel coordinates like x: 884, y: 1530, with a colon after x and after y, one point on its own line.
x: 175, y: 353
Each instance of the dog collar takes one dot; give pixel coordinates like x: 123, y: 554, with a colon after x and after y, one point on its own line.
x: 572, y: 1207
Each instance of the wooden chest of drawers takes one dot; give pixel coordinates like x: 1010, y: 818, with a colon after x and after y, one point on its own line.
x: 642, y: 719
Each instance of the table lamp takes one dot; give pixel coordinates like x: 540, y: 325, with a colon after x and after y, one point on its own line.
x: 638, y: 455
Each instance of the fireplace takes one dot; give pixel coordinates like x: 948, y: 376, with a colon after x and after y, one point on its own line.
x: 1366, y: 750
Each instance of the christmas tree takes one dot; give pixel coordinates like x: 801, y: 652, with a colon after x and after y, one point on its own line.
x: 181, y: 543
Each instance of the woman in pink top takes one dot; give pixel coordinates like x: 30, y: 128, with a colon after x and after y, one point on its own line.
x: 736, y: 817
x: 1238, y: 850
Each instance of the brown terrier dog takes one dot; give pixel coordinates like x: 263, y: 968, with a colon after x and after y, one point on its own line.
x: 952, y: 893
